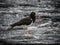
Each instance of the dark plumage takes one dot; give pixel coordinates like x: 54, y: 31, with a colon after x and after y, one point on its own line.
x: 25, y: 21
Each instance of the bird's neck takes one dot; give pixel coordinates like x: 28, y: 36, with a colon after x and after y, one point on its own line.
x: 33, y: 19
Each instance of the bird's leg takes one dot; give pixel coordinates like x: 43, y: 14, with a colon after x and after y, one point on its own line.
x: 26, y: 33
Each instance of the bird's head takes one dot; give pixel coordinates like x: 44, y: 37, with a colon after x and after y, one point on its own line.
x: 32, y: 16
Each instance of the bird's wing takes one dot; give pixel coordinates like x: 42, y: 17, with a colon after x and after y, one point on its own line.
x: 25, y: 21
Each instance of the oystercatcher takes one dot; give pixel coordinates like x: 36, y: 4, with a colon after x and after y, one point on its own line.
x: 25, y: 21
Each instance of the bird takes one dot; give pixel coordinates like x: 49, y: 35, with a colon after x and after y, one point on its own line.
x: 25, y: 21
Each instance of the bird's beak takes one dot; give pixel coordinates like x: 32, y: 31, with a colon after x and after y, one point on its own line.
x: 37, y: 17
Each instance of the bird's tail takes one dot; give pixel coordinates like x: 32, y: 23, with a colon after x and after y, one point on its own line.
x: 10, y: 27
